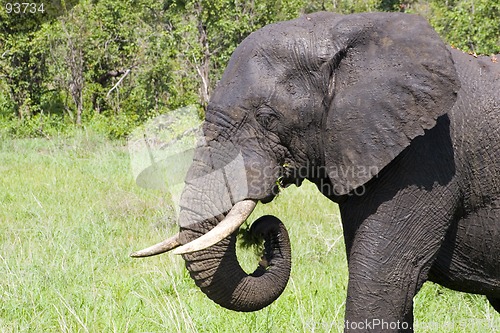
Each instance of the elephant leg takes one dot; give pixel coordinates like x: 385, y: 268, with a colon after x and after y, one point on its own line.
x: 495, y: 303
x: 383, y: 279
x: 392, y: 239
x: 388, y: 264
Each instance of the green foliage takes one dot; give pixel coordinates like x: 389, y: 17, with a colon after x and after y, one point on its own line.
x: 470, y: 25
x: 37, y: 125
x: 115, y: 126
x: 89, y: 59
x: 22, y: 66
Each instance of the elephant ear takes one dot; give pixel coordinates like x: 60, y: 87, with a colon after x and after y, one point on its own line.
x: 391, y: 78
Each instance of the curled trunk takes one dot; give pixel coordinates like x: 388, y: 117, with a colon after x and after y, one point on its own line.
x: 219, y: 275
x: 220, y: 193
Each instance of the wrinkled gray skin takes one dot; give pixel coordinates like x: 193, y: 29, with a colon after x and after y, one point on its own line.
x: 400, y: 130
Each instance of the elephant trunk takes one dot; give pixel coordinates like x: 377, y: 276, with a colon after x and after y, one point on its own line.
x: 218, y: 274
x: 213, y: 205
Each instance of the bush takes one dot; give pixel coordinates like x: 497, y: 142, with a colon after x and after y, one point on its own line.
x: 39, y: 125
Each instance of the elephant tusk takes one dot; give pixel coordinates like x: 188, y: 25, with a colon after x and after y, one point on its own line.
x: 234, y: 219
x: 162, y: 247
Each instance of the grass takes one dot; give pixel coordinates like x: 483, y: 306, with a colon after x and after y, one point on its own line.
x: 70, y: 214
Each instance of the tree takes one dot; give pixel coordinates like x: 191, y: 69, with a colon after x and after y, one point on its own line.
x: 23, y: 53
x: 127, y: 60
x: 22, y: 65
x: 470, y: 25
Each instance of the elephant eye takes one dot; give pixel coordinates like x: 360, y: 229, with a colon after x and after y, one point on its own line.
x: 267, y: 118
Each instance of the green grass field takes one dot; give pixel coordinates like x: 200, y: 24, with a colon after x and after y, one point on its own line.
x: 70, y: 214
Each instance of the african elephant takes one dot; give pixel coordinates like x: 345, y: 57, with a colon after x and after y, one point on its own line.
x: 402, y: 131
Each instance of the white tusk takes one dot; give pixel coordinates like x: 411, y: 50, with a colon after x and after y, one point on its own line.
x: 236, y: 216
x: 166, y: 245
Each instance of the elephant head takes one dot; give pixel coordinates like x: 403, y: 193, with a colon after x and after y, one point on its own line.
x: 325, y: 97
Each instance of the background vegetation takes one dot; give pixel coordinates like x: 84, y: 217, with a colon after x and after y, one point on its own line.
x: 111, y: 64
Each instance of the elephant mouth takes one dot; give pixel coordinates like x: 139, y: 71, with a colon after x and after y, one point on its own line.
x: 273, y: 193
x: 287, y: 175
